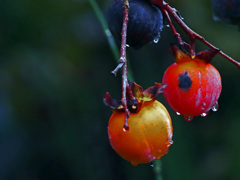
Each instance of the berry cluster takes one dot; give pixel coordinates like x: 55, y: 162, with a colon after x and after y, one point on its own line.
x: 140, y: 128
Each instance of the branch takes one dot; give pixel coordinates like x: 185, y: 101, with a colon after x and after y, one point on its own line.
x: 168, y: 10
x: 126, y: 91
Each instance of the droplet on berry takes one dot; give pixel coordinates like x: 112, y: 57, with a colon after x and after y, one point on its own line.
x: 188, y: 118
x: 144, y: 25
x: 177, y: 113
x: 215, y: 107
x: 204, y: 114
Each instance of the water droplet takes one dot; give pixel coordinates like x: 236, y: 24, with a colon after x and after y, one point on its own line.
x: 134, y: 163
x: 188, y: 118
x: 215, y: 107
x: 125, y: 127
x: 204, y: 114
x: 156, y: 39
x: 168, y: 25
x: 171, y: 142
x: 151, y: 164
x: 177, y: 113
x: 203, y: 105
x: 127, y: 45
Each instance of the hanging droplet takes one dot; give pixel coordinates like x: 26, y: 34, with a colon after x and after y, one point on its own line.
x: 125, y: 128
x: 215, y: 107
x: 127, y: 45
x: 134, y: 163
x: 156, y: 39
x: 171, y: 142
x: 177, y: 113
x: 204, y: 114
x: 151, y: 164
x: 168, y: 25
x: 188, y: 118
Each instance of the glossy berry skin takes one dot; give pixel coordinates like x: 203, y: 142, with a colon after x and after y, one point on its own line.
x: 149, y: 135
x: 144, y: 25
x: 227, y: 11
x: 193, y: 87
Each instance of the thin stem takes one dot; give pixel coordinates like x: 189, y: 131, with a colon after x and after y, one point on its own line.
x: 126, y: 91
x: 157, y: 169
x: 111, y: 41
x: 104, y: 25
x: 123, y: 59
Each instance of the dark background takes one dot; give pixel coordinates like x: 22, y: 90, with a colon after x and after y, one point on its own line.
x: 55, y: 66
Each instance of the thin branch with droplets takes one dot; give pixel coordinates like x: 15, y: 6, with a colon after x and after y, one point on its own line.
x: 169, y: 11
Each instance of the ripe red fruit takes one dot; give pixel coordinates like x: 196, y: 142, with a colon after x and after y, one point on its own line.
x: 150, y: 128
x: 193, y: 85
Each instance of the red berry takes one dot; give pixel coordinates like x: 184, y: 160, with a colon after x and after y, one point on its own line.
x: 193, y: 86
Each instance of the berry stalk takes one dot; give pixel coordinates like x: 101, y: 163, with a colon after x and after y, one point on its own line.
x: 126, y: 91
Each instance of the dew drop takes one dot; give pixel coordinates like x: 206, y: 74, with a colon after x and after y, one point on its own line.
x: 203, y: 105
x: 156, y: 39
x: 188, y: 118
x: 177, y: 113
x: 151, y: 164
x: 134, y: 163
x: 171, y: 142
x: 125, y: 127
x: 168, y: 25
x: 215, y: 107
x: 204, y: 114
x: 127, y: 45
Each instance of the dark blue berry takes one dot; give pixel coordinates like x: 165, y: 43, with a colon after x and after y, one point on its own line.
x: 144, y: 25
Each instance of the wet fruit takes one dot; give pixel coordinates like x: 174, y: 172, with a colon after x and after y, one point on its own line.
x: 193, y: 85
x: 150, y: 128
x: 144, y: 25
x: 227, y: 11
x: 148, y: 137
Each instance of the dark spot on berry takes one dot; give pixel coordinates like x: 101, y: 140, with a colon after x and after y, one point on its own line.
x: 185, y: 81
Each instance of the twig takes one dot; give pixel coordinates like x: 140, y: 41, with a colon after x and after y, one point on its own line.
x: 126, y: 91
x: 168, y: 10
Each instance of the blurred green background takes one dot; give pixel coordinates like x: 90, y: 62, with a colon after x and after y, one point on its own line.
x: 55, y: 66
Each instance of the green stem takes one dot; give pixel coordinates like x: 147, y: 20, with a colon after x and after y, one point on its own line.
x: 111, y: 41
x: 107, y: 32
x: 158, y: 169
